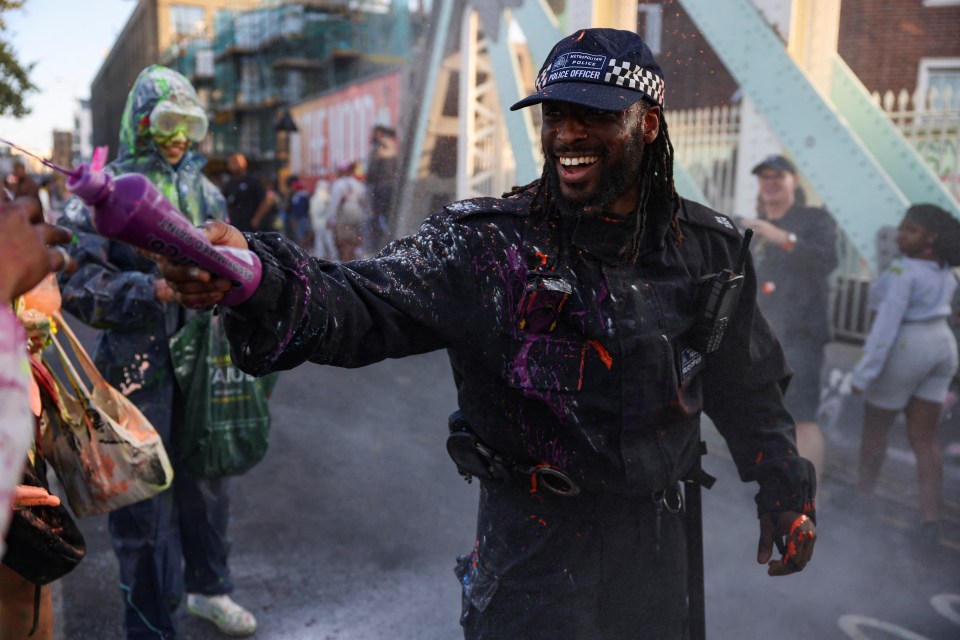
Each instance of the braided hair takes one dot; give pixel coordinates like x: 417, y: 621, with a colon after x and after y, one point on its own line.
x: 939, y: 221
x: 657, y: 188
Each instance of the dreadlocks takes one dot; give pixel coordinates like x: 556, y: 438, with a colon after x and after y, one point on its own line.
x: 656, y: 188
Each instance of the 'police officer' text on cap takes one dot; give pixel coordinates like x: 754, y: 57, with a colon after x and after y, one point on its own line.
x: 606, y: 69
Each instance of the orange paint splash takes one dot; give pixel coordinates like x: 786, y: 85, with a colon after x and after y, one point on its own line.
x: 797, y: 523
x: 605, y: 357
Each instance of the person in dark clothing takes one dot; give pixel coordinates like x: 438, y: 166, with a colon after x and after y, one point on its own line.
x: 795, y: 253
x: 381, y: 177
x: 247, y: 206
x: 569, y: 311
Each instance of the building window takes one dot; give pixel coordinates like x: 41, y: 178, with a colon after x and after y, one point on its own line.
x: 941, y: 3
x: 943, y: 76
x: 649, y: 24
x: 186, y: 22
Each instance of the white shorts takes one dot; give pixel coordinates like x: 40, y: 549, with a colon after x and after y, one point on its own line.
x: 921, y: 364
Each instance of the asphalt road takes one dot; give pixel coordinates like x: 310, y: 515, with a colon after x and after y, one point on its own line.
x: 349, y: 529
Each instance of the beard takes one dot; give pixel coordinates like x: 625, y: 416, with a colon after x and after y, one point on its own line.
x: 613, y: 182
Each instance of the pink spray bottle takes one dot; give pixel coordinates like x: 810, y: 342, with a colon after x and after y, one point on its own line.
x: 129, y: 208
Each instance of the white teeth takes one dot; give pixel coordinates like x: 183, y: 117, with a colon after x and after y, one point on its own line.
x: 572, y: 162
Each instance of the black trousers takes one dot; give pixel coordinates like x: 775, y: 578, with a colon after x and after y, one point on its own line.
x: 586, y: 567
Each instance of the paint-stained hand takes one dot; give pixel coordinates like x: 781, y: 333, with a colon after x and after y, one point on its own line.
x: 801, y: 535
x: 197, y: 288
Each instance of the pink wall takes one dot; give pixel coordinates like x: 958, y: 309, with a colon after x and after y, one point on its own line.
x: 336, y: 127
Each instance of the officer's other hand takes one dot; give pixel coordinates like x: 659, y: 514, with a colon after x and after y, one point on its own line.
x: 801, y: 535
x: 194, y: 287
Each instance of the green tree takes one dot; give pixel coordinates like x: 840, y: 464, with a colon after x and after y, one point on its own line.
x: 14, y: 77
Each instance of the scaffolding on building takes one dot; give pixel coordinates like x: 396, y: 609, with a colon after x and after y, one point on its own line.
x: 271, y: 57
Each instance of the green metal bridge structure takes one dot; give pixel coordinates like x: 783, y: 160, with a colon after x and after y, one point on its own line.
x: 846, y: 147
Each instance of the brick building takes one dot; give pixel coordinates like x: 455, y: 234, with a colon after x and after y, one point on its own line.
x: 902, y: 45
x: 906, y: 44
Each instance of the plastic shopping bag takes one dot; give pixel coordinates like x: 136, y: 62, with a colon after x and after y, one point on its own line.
x: 105, y: 452
x: 227, y: 427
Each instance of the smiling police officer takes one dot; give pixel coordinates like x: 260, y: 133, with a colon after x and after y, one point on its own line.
x: 573, y: 312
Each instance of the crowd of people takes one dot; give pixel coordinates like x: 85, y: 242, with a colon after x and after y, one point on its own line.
x: 580, y: 392
x: 342, y: 216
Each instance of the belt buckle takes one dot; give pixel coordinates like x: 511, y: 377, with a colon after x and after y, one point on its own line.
x: 547, y: 475
x: 662, y: 500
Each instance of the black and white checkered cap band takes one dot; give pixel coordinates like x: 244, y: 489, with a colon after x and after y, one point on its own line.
x: 622, y: 74
x: 542, y: 78
x: 632, y: 76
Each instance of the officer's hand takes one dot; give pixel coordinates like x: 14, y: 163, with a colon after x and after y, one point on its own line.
x: 801, y: 534
x: 222, y: 234
x: 197, y: 288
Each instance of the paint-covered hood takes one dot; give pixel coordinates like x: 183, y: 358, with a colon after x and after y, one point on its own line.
x: 155, y: 84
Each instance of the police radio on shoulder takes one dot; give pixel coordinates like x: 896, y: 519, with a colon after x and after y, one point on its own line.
x: 719, y: 294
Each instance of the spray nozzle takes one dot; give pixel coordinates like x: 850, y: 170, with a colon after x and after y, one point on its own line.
x: 89, y: 185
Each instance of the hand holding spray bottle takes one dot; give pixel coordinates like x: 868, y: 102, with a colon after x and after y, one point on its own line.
x: 129, y: 208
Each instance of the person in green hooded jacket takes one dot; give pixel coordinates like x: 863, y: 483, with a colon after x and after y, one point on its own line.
x: 178, y: 539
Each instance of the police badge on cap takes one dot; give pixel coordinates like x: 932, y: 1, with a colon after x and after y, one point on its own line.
x: 606, y: 69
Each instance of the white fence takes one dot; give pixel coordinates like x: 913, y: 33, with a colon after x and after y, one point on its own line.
x: 705, y: 142
x: 931, y: 123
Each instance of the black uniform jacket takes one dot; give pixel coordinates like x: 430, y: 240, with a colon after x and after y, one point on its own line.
x: 602, y: 382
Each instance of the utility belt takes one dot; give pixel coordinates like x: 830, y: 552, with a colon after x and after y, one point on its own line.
x: 475, y: 459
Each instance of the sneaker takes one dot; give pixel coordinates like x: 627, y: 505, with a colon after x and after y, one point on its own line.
x: 230, y: 618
